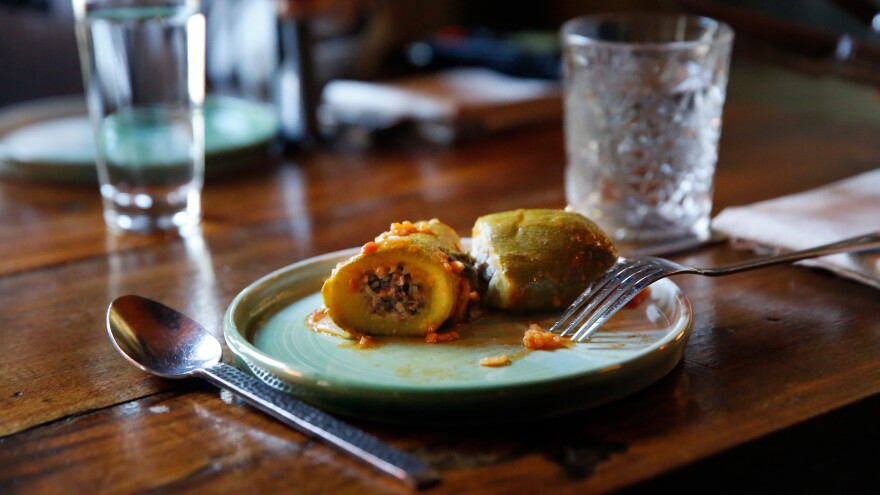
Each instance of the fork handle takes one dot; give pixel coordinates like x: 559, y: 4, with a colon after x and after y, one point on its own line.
x: 859, y: 243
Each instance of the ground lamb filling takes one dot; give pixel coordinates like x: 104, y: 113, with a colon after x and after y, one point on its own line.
x: 392, y: 292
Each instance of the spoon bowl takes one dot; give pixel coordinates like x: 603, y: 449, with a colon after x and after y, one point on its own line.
x: 160, y: 340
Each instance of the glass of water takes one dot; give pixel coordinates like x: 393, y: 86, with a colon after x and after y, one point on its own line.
x: 143, y: 65
x: 643, y: 100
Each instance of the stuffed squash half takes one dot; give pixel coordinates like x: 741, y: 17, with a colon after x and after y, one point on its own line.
x: 409, y: 281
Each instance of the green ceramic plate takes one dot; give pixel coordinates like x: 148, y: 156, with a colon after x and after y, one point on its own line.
x: 408, y: 380
x: 51, y: 139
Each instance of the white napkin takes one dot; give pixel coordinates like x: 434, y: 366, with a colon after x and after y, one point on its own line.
x: 448, y: 104
x: 827, y: 214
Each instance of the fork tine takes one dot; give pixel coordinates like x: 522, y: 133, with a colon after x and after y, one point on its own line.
x: 586, y: 296
x: 599, y: 312
x: 615, y: 301
x: 595, y: 295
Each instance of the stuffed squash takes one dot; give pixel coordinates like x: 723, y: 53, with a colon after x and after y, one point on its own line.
x: 409, y: 281
x: 538, y: 259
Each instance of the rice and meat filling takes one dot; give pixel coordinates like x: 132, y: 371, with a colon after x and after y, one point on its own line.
x: 392, y: 292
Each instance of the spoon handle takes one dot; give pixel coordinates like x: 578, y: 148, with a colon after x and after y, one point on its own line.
x: 316, y: 423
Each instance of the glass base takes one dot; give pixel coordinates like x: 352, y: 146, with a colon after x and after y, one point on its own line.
x: 182, y: 223
x: 151, y: 208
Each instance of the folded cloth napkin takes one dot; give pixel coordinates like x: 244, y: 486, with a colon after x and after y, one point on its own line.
x: 830, y: 213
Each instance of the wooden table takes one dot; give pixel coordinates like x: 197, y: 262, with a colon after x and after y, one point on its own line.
x: 779, y: 387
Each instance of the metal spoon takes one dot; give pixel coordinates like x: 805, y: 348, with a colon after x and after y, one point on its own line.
x: 162, y: 341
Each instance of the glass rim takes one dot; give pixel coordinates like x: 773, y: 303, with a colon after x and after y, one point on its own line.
x: 82, y: 7
x: 723, y: 32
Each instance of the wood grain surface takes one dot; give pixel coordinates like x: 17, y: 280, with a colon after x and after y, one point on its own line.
x: 771, y: 351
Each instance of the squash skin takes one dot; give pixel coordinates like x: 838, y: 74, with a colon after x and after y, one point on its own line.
x: 539, y: 259
x: 427, y: 254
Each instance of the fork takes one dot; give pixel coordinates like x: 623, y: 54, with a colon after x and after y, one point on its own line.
x: 626, y: 278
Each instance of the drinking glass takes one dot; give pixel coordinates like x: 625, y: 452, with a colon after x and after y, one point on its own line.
x: 643, y: 105
x: 143, y: 64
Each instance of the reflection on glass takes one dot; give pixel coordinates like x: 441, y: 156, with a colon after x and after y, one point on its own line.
x: 183, y: 280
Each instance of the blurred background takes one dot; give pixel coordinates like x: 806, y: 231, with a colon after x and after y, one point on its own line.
x: 785, y: 45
